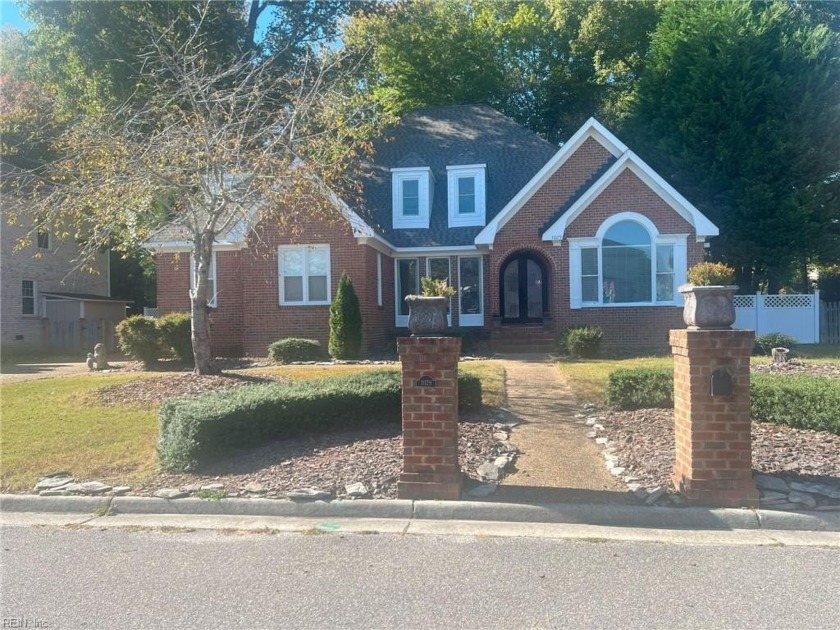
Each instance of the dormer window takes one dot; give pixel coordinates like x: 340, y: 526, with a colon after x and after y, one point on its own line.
x: 411, y: 192
x: 466, y: 188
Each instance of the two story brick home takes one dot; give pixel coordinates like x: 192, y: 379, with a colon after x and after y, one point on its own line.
x: 534, y: 238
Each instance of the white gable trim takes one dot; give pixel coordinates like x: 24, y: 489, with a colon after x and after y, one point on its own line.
x: 702, y: 226
x: 591, y: 129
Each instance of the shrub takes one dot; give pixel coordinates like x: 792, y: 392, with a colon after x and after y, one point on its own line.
x: 707, y: 274
x: 583, y: 342
x: 640, y: 388
x: 139, y: 338
x: 345, y: 322
x: 802, y: 401
x: 764, y: 344
x: 293, y: 349
x: 194, y: 429
x: 469, y: 392
x: 176, y: 334
x: 829, y: 283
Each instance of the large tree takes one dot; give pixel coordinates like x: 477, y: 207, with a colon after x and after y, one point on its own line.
x: 548, y: 64
x: 207, y: 142
x: 739, y: 106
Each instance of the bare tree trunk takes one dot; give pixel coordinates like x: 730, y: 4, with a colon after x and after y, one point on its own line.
x: 202, y: 349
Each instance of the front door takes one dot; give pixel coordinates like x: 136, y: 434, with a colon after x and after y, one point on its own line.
x: 524, y: 290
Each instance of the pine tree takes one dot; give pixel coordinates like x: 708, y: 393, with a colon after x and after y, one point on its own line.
x: 345, y: 321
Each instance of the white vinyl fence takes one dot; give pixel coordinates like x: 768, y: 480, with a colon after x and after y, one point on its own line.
x: 795, y: 315
x: 150, y: 311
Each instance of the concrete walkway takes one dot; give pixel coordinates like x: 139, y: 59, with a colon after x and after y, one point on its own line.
x: 557, y: 463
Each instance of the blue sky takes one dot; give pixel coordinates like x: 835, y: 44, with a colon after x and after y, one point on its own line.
x: 10, y: 15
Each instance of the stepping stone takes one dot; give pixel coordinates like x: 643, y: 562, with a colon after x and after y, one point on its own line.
x: 51, y: 483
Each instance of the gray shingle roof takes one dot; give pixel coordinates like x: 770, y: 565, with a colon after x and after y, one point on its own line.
x: 448, y: 136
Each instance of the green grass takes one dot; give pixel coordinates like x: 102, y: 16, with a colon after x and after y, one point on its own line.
x: 49, y: 425
x: 588, y: 377
x: 54, y: 424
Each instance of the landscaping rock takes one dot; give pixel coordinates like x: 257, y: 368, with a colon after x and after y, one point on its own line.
x: 118, y: 491
x: 213, y: 487
x: 489, y: 472
x: 93, y: 488
x: 502, y: 436
x: 170, y: 494
x: 502, y: 461
x: 591, y: 435
x: 356, y: 490
x: 255, y: 488
x: 308, y: 494
x: 54, y: 492
x: 653, y: 497
x: 52, y: 483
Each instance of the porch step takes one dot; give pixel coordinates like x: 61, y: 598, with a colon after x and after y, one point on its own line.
x: 527, y: 338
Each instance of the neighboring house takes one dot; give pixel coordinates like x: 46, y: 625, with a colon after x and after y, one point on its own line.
x: 535, y: 239
x: 46, y: 302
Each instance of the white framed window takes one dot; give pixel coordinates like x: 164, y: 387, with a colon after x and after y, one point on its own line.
x: 466, y: 189
x: 29, y: 297
x: 378, y: 279
x: 411, y: 190
x: 627, y: 263
x: 438, y: 269
x: 470, y: 291
x: 211, y: 279
x: 304, y: 274
x: 406, y: 282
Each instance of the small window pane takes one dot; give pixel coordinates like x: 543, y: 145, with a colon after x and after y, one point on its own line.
x: 317, y: 288
x: 590, y: 289
x: 589, y: 261
x: 664, y: 258
x: 470, y: 285
x: 293, y: 289
x: 439, y: 268
x: 318, y: 261
x: 293, y: 262
x: 28, y: 297
x: 466, y: 195
x: 411, y: 197
x: 664, y: 287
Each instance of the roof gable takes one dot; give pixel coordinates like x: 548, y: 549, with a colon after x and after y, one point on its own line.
x: 630, y: 161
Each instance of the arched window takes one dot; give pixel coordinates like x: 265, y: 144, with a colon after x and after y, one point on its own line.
x: 627, y: 263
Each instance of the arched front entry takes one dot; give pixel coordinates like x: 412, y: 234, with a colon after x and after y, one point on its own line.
x: 523, y: 289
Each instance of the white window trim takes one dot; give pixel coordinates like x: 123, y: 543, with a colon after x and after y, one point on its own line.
x: 401, y: 321
x: 305, y: 275
x: 448, y: 280
x: 212, y: 302
x: 378, y: 279
x: 474, y: 319
x: 478, y: 173
x: 678, y: 241
x: 424, y: 191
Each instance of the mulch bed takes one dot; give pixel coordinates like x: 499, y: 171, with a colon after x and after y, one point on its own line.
x: 644, y: 440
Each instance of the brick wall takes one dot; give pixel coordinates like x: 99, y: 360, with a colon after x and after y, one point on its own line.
x: 630, y: 328
x: 248, y: 315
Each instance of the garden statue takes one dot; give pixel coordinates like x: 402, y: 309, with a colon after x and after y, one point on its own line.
x: 100, y: 357
x: 90, y: 363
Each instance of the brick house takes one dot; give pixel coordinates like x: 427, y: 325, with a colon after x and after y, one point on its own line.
x: 535, y: 240
x: 47, y: 302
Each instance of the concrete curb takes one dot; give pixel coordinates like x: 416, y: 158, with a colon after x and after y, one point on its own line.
x: 696, y: 518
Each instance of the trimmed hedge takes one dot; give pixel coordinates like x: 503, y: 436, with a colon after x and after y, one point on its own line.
x: 640, y: 388
x: 293, y: 349
x: 802, y: 401
x: 195, y: 429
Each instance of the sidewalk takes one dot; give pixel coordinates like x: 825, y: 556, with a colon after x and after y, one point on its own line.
x: 556, y: 464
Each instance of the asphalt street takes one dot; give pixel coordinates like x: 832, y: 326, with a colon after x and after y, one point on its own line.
x: 60, y: 577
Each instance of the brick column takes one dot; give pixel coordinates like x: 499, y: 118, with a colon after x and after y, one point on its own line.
x: 430, y: 418
x: 712, y: 416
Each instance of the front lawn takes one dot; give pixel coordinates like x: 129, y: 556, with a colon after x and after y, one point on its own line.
x: 588, y: 377
x: 55, y: 424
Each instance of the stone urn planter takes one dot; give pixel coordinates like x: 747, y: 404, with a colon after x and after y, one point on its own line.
x: 708, y: 307
x: 426, y: 315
